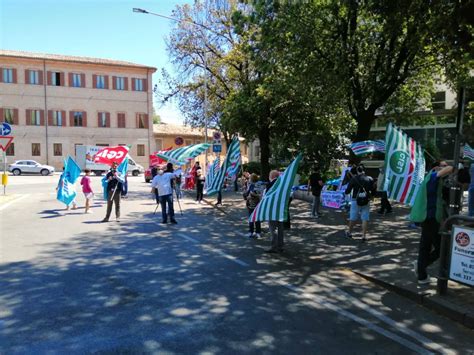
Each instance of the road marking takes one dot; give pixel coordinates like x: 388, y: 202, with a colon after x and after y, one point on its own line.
x: 8, y: 204
x: 322, y: 301
x: 397, y: 325
x: 217, y: 251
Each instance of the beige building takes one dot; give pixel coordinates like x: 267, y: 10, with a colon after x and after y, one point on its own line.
x: 55, y: 103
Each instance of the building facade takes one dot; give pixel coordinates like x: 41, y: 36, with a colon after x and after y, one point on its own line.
x: 55, y: 103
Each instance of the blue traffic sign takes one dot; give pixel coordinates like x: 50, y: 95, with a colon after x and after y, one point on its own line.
x: 5, y: 129
x: 217, y: 148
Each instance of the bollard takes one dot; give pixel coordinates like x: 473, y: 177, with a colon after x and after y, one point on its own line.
x: 4, y: 179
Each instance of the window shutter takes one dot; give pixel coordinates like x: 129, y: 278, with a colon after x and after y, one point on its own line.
x: 106, y: 81
x: 41, y: 117
x: 114, y: 82
x: 62, y: 78
x: 63, y: 115
x: 28, y: 117
x: 14, y: 76
x: 2, y: 118
x: 27, y: 76
x: 145, y: 84
x: 94, y: 81
x: 133, y: 84
x: 40, y: 77
x: 49, y: 77
x: 83, y: 80
x: 1, y: 77
x: 146, y: 121
x: 125, y: 79
x: 84, y: 119
x: 50, y: 117
x: 137, y: 119
x: 71, y: 118
x: 15, y: 116
x: 70, y: 78
x: 98, y: 119
x: 107, y: 119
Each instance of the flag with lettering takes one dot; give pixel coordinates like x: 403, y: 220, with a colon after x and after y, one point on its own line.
x: 468, y: 152
x: 218, y: 181
x: 180, y: 156
x: 274, y: 204
x: 66, y: 191
x: 404, y: 166
x: 367, y: 147
x: 110, y: 155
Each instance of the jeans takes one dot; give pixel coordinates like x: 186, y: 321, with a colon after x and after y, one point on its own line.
x: 178, y: 190
x: 111, y: 200
x: 315, y: 207
x: 430, y: 243
x: 470, y: 202
x: 277, y: 232
x: 167, y: 199
x: 254, y: 226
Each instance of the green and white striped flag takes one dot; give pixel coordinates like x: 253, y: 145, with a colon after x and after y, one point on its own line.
x: 404, y: 166
x: 274, y: 205
x: 180, y: 156
x: 216, y: 184
x: 212, y: 172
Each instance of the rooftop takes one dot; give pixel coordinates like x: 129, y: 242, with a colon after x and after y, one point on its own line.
x: 174, y: 130
x: 68, y: 58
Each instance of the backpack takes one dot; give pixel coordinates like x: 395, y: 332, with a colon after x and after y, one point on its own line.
x: 362, y: 197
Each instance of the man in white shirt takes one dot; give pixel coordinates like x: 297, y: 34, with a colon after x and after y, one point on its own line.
x: 163, y: 182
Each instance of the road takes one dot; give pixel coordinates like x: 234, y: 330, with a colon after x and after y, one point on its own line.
x: 70, y: 284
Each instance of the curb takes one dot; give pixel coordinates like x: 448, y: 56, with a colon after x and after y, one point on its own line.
x: 431, y: 301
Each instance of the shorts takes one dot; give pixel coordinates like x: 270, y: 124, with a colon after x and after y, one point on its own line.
x: 89, y: 195
x: 356, y: 210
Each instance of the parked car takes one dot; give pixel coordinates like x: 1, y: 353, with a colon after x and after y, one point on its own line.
x: 30, y: 167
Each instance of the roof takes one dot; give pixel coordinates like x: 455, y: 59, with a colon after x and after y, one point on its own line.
x: 68, y: 58
x: 168, y: 129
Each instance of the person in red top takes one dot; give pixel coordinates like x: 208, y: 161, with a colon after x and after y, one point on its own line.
x: 87, y: 190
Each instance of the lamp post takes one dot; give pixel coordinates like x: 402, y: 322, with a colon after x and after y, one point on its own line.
x: 143, y: 11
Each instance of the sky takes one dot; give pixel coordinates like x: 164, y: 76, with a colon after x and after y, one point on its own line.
x: 101, y: 28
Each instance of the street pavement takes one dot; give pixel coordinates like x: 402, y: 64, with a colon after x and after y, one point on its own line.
x: 70, y: 284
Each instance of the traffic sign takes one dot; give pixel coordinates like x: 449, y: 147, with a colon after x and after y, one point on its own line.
x: 5, y: 129
x: 217, y: 136
x: 5, y: 142
x: 217, y: 148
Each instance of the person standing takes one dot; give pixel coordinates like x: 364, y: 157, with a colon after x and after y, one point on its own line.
x: 252, y: 197
x: 114, y: 192
x: 60, y: 184
x: 276, y: 227
x: 385, y: 206
x: 87, y: 190
x: 163, y: 183
x: 178, y: 182
x: 429, y: 209
x: 200, y: 180
x: 315, y: 184
x: 361, y: 186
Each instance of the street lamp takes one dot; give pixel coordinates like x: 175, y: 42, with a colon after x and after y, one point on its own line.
x: 143, y: 11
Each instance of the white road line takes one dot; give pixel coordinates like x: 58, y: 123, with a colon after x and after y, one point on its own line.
x: 188, y: 238
x: 322, y: 301
x: 8, y: 204
x: 397, y: 325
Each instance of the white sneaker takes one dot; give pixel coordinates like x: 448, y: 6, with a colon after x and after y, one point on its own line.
x: 426, y: 281
x: 89, y: 212
x: 415, y: 267
x: 258, y: 236
x: 250, y: 235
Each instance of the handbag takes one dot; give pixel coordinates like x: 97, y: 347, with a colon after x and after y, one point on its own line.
x: 362, y: 197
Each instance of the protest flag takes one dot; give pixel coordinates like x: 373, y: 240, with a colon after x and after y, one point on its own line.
x: 218, y: 181
x: 468, y: 152
x: 110, y: 155
x: 66, y: 190
x: 180, y: 156
x: 274, y: 205
x: 212, y: 172
x: 367, y: 147
x: 404, y: 166
x: 234, y: 163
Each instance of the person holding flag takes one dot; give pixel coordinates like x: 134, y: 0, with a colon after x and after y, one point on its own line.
x: 66, y: 192
x: 114, y: 180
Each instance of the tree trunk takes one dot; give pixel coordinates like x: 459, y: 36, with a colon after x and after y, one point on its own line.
x: 264, y: 138
x: 364, y: 122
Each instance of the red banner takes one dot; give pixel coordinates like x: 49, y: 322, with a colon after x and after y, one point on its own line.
x: 109, y: 155
x: 155, y: 161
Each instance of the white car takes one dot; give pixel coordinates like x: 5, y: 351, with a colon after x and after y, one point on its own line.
x: 30, y: 167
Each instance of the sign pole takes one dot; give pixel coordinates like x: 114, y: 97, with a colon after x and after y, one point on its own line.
x: 4, y: 177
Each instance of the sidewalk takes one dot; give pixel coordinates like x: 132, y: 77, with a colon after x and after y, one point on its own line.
x: 386, y: 259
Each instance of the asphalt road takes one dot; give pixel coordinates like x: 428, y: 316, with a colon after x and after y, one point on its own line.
x: 69, y: 284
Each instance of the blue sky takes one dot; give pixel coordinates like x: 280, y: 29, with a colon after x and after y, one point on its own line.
x: 100, y: 28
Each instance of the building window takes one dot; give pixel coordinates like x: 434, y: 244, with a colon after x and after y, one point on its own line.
x: 119, y: 83
x: 75, y: 147
x: 159, y: 144
x: 139, y: 85
x: 100, y: 82
x: 8, y: 115
x: 141, y: 150
x: 121, y: 120
x: 35, y: 149
x: 58, y: 118
x: 7, y: 75
x: 35, y: 117
x: 33, y: 77
x: 78, y: 119
x: 438, y: 100
x: 102, y: 119
x: 76, y: 80
x: 56, y: 78
x: 10, y: 150
x: 141, y: 120
x: 57, y: 149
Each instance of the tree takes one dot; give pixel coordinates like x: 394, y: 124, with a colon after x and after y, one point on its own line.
x: 155, y: 117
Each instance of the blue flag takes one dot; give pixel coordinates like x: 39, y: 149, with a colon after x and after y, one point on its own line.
x: 122, y: 172
x: 66, y: 190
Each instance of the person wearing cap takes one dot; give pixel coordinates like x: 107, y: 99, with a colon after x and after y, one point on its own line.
x: 114, y: 192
